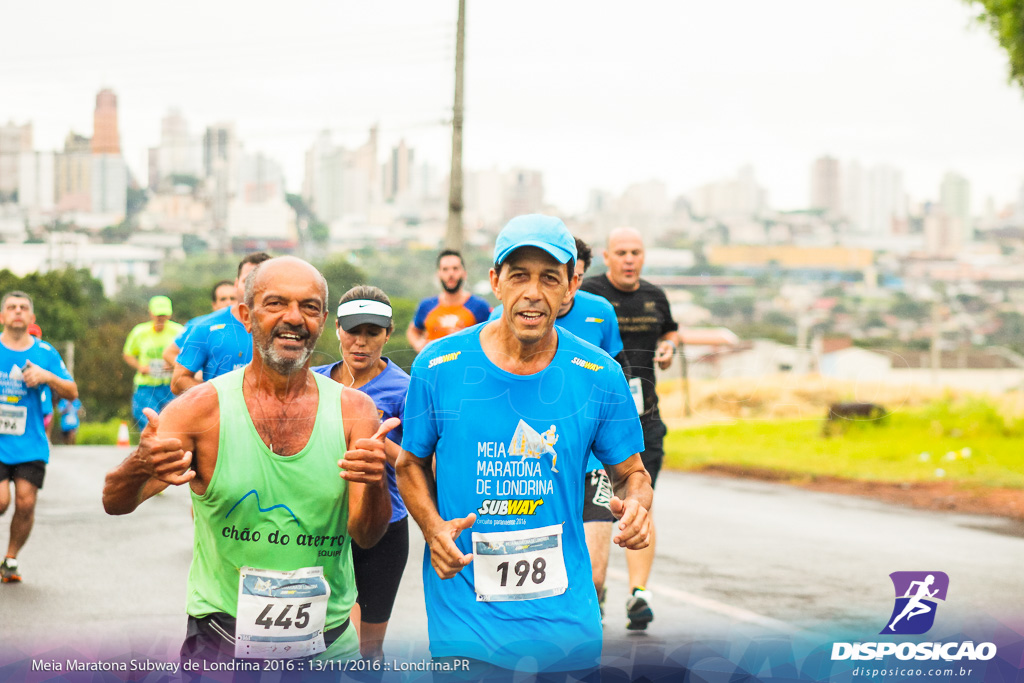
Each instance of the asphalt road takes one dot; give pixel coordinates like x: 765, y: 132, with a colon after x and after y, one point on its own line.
x: 737, y: 560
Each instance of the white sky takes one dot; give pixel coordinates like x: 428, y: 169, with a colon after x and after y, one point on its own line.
x: 594, y: 94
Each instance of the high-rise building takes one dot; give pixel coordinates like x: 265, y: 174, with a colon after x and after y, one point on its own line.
x: 524, y: 192
x: 259, y: 210
x: 484, y: 198
x: 109, y: 186
x: 220, y: 147
x: 825, y: 188
x: 397, y: 173
x: 36, y: 181
x: 366, y: 170
x: 260, y: 178
x: 14, y: 140
x: 179, y: 153
x: 885, y: 201
x: 955, y: 197
x: 321, y: 185
x: 854, y: 197
x: 221, y: 157
x: 73, y: 170
x: 105, y: 138
x: 339, y: 183
x: 733, y: 197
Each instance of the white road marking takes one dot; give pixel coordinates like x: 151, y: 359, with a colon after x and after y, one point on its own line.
x: 730, y: 611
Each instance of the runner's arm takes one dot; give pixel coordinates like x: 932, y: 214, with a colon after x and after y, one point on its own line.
x: 418, y: 487
x: 417, y: 337
x: 631, y: 503
x: 369, y: 501
x: 667, y: 344
x: 35, y: 375
x: 133, y: 363
x: 64, y: 388
x: 164, y: 456
x: 171, y: 353
x: 392, y: 450
x: 182, y: 379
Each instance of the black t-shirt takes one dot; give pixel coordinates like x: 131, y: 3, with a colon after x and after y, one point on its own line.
x: 644, y: 316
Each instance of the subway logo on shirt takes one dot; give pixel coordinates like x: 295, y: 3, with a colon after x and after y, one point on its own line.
x: 512, y: 506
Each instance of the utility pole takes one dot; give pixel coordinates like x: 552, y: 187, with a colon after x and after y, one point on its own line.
x: 936, y: 349
x: 454, y: 237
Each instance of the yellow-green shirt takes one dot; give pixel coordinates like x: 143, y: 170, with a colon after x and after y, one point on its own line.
x: 148, y: 346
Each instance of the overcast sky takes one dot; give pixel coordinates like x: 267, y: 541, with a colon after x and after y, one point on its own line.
x: 594, y: 94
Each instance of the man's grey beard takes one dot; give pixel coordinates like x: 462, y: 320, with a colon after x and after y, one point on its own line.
x: 283, y: 366
x: 271, y: 358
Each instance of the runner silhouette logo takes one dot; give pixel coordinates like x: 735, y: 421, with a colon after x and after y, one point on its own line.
x: 917, y: 594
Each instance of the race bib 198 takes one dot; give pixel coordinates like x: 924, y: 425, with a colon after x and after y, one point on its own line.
x: 13, y: 420
x: 519, y: 565
x: 281, y: 614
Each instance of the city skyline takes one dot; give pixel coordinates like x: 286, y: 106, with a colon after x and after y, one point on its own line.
x: 581, y: 98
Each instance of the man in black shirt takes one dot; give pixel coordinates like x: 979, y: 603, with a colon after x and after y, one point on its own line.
x: 649, y: 336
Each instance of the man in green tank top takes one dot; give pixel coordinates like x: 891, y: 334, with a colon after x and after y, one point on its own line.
x: 260, y: 449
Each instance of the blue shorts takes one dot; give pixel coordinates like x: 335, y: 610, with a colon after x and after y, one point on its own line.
x: 155, y: 397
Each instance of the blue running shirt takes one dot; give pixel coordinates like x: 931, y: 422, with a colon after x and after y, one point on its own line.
x: 388, y: 391
x: 21, y: 408
x: 593, y: 319
x: 512, y: 449
x: 69, y: 414
x: 180, y: 339
x: 216, y: 344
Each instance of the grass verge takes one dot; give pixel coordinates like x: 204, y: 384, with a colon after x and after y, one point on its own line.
x: 969, y: 441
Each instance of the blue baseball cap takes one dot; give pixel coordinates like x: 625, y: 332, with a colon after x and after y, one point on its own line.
x: 535, y: 230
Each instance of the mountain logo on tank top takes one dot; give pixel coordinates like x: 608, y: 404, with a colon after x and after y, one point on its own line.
x: 259, y: 506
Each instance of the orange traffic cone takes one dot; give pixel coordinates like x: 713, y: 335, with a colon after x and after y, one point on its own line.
x: 122, y: 435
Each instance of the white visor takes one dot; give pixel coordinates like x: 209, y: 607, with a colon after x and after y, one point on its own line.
x: 359, y: 311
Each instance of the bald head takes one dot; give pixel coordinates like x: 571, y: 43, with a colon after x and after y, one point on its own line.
x: 285, y: 310
x: 624, y: 257
x: 282, y: 268
x: 625, y: 234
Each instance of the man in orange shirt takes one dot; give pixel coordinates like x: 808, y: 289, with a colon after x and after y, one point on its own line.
x: 452, y: 310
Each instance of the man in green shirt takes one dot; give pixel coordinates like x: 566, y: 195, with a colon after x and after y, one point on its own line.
x: 271, y: 573
x: 143, y: 351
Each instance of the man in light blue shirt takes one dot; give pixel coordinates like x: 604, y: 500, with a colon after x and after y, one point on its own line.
x: 27, y: 366
x: 592, y: 318
x: 508, y: 411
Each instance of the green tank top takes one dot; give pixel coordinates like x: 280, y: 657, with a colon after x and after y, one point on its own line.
x: 271, y: 511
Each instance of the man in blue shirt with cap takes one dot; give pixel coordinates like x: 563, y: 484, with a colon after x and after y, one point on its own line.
x: 507, y: 411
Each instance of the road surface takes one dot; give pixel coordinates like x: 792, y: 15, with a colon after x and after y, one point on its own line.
x: 738, y: 562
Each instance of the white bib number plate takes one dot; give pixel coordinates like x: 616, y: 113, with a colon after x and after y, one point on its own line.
x: 13, y: 420
x: 158, y: 369
x: 281, y: 615
x: 519, y: 565
x: 637, y: 390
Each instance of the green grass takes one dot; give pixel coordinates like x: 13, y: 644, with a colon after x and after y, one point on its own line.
x: 102, y: 433
x: 889, y: 451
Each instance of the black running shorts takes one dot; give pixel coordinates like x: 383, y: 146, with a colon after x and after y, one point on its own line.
x: 33, y: 472
x: 654, y: 445
x: 379, y: 571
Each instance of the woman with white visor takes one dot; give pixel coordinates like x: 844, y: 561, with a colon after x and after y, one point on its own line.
x: 364, y: 325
